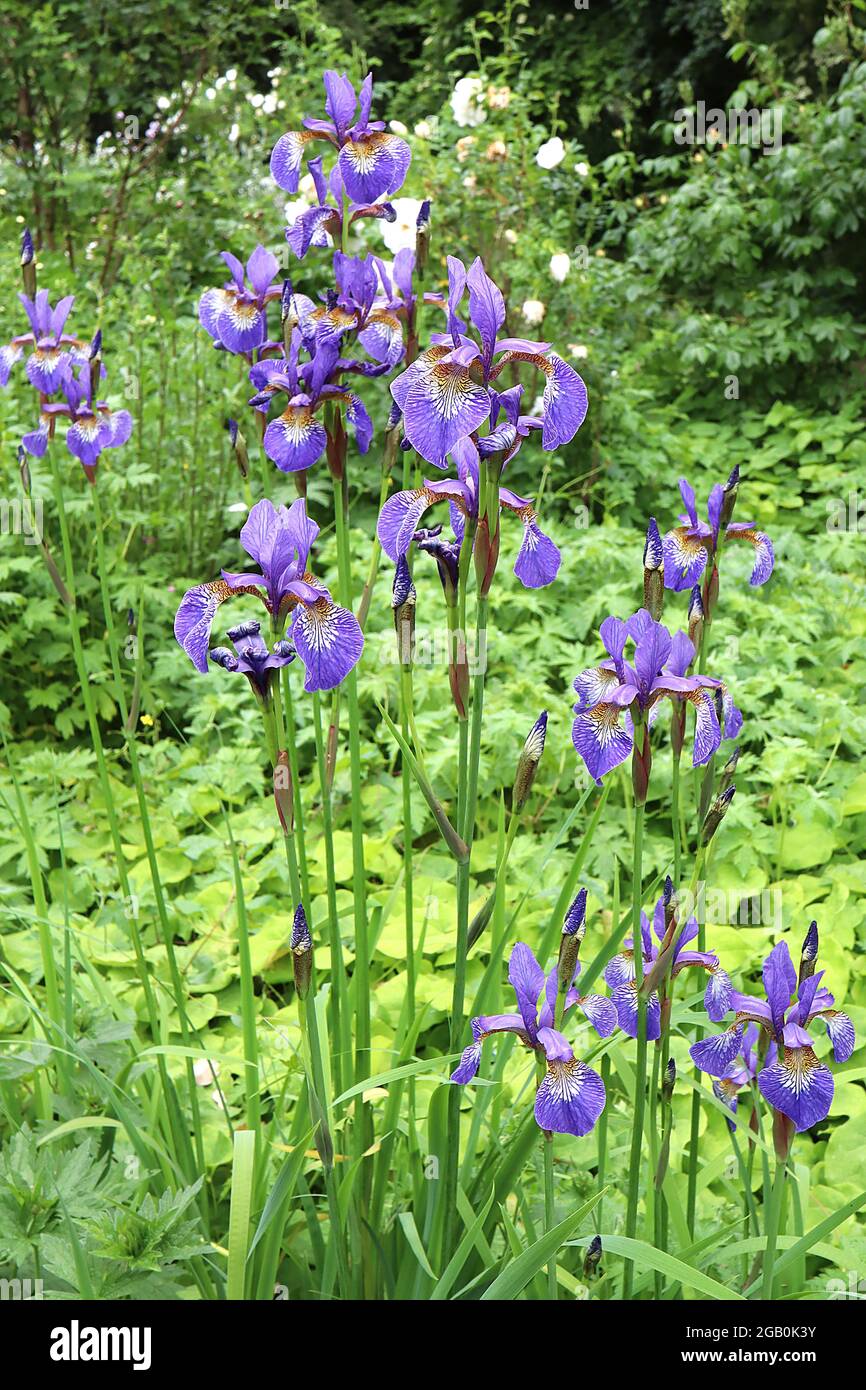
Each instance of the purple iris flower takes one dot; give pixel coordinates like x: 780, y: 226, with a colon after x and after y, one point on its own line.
x: 313, y: 227
x: 445, y: 395
x: 236, y: 316
x: 54, y: 352
x: 571, y: 1095
x: 372, y: 163
x: 658, y: 672
x: 688, y: 547
x: 742, y: 1070
x: 296, y: 439
x: 794, y: 1082
x: 326, y: 637
x: 538, y: 559
x: 252, y: 658
x: 93, y: 425
x: 619, y: 974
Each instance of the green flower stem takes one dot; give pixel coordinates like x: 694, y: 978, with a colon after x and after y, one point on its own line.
x: 252, y: 1085
x: 675, y: 819
x: 389, y: 455
x: 549, y: 1211
x: 339, y: 1000
x: 566, y: 893
x: 291, y: 747
x: 771, y: 1228
x: 406, y: 703
x: 694, y: 1128
x: 132, y: 750
x: 635, y: 1165
x: 319, y: 1110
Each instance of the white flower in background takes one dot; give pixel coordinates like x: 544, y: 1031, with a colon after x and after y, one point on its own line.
x: 510, y: 236
x: 423, y: 129
x: 307, y: 190
x: 269, y: 104
x: 498, y: 98
x: 255, y: 99
x: 400, y: 234
x: 463, y: 146
x: 551, y: 153
x: 204, y: 1070
x: 210, y: 93
x: 581, y: 169
x: 218, y: 1099
x: 537, y: 406
x: 497, y: 149
x: 163, y: 103
x: 470, y: 181
x: 398, y: 127
x: 578, y: 350
x: 232, y: 507
x: 560, y: 265
x: 533, y: 310
x: 234, y: 132
x: 293, y: 209
x: 231, y: 75
x: 465, y: 102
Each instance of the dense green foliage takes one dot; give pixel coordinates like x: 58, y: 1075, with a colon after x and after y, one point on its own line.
x: 714, y: 305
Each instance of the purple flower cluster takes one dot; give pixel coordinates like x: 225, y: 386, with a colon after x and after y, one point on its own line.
x: 66, y: 372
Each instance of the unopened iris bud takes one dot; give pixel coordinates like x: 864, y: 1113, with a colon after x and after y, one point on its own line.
x: 592, y: 1258
x: 809, y: 954
x: 653, y: 572
x: 24, y: 469
x: 730, y: 766
x: 696, y: 617
x: 95, y: 349
x: 283, y: 799
x: 28, y: 263
x: 669, y: 1081
x: 573, y: 932
x: 286, y: 301
x: 422, y: 237
x: 670, y: 901
x: 403, y: 599
x: 239, y: 445
x: 716, y: 814
x: 302, y: 952
x: 729, y: 500
x: 527, y: 763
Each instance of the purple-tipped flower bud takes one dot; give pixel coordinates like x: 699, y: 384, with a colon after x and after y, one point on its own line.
x: 809, y: 953
x: 527, y: 763
x: 239, y: 445
x: 729, y: 499
x: 28, y: 263
x: 286, y: 301
x: 653, y: 572
x: 302, y: 952
x: 95, y: 349
x: 716, y: 814
x: 388, y: 212
x: 671, y: 903
x: 573, y: 932
x: 403, y: 598
x: 730, y: 766
x: 405, y: 444
x: 592, y: 1258
x: 575, y: 917
x: 669, y: 1081
x: 422, y: 237
x: 696, y: 617
x: 394, y: 416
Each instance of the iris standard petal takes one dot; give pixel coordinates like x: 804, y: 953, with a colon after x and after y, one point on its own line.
x: 527, y: 981
x: 780, y: 982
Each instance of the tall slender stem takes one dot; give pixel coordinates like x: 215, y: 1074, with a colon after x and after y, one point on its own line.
x: 634, y: 1167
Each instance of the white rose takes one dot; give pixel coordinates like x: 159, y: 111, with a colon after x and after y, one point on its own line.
x: 424, y: 130
x: 510, y: 236
x: 533, y: 310
x: 560, y: 265
x: 552, y: 152
x: 400, y: 234
x: 398, y: 127
x: 465, y: 102
x: 205, y: 1071
x: 578, y: 350
x: 581, y: 169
